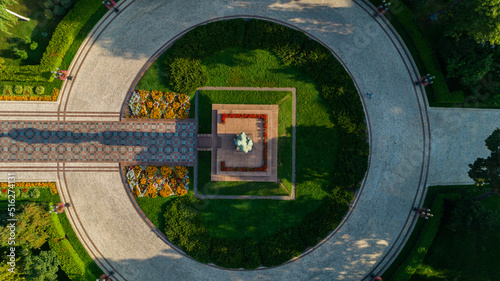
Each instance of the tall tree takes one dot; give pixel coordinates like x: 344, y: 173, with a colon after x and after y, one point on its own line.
x: 31, y: 227
x: 479, y: 19
x: 6, y: 19
x: 487, y: 171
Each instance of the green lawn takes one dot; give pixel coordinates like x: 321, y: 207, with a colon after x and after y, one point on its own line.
x: 317, y: 143
x: 34, y: 28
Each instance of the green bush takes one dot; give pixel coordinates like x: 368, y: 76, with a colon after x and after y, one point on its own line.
x: 20, y: 53
x: 232, y: 253
x: 58, y: 10
x: 34, y: 193
x: 48, y: 4
x: 7, y: 90
x: 471, y: 215
x: 281, y: 247
x: 48, y: 14
x: 66, y: 4
x: 39, y: 90
x: 185, y: 229
x: 318, y: 224
x: 18, y: 89
x: 71, y: 263
x: 33, y: 46
x: 41, y: 267
x: 417, y: 254
x: 28, y: 90
x: 186, y: 75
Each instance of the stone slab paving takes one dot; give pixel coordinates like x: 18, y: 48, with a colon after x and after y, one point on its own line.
x: 458, y: 140
x: 136, y: 141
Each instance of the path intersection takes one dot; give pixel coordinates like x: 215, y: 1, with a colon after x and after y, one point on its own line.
x: 411, y: 145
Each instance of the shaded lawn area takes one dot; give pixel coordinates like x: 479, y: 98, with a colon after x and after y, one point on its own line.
x: 34, y: 28
x: 317, y: 144
x: 463, y: 255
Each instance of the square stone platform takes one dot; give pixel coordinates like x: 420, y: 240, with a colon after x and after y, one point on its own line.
x: 223, y: 148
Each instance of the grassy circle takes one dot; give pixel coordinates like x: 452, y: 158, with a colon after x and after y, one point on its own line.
x: 331, y: 150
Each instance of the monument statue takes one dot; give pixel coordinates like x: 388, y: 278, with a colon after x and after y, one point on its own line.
x: 243, y: 143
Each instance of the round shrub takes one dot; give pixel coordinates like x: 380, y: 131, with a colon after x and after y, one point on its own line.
x: 20, y: 53
x: 48, y: 14
x: 33, y: 46
x: 66, y: 4
x: 186, y: 75
x: 39, y: 90
x: 18, y: 192
x: 18, y: 89
x: 27, y: 39
x: 58, y: 10
x: 48, y: 4
x: 34, y: 193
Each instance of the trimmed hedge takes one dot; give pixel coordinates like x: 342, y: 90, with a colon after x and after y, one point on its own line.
x: 431, y: 227
x: 71, y: 263
x: 56, y: 231
x: 60, y: 42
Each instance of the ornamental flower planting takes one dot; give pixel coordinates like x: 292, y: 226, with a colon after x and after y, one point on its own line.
x: 157, y: 105
x: 263, y: 168
x: 151, y: 181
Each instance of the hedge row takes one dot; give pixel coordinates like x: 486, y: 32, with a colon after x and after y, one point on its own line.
x: 71, y: 263
x: 431, y: 227
x: 185, y: 229
x: 60, y: 42
x: 441, y: 91
x: 293, y: 48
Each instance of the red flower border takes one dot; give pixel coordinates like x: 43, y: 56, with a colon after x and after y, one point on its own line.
x: 263, y: 168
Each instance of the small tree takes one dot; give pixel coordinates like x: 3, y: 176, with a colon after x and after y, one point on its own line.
x: 487, y: 171
x: 43, y: 267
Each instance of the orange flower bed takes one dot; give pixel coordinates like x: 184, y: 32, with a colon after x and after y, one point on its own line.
x: 29, y: 185
x: 151, y: 181
x: 53, y: 97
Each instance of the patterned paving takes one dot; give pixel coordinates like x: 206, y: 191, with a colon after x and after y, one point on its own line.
x: 137, y: 141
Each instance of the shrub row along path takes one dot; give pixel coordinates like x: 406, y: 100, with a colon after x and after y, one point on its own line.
x: 403, y: 132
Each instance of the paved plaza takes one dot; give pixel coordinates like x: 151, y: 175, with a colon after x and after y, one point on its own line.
x: 411, y: 145
x: 225, y: 151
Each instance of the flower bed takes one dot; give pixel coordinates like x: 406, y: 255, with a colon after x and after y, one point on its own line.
x: 8, y: 94
x: 4, y: 186
x: 149, y: 181
x: 157, y: 105
x: 263, y: 168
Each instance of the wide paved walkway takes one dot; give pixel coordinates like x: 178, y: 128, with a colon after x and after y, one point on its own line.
x: 122, y: 46
x: 168, y: 141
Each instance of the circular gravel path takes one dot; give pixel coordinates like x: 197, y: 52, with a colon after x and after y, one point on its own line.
x: 122, y: 46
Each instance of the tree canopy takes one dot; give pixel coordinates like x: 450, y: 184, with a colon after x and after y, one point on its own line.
x: 487, y: 171
x: 42, y: 267
x: 479, y: 19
